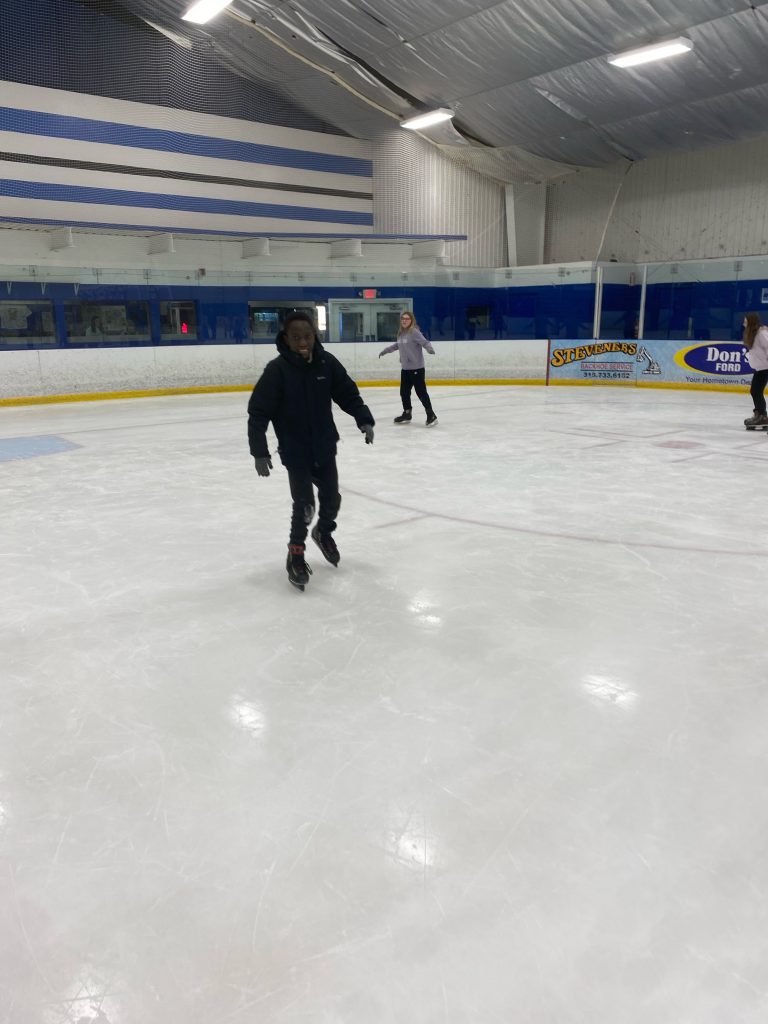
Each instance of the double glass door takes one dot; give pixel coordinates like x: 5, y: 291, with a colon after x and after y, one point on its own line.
x: 370, y: 320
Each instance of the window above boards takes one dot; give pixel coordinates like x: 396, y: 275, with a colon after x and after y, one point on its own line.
x: 93, y: 321
x: 30, y: 323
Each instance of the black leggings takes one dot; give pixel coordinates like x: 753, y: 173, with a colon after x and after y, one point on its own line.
x: 759, y: 380
x: 301, y: 479
x: 414, y: 379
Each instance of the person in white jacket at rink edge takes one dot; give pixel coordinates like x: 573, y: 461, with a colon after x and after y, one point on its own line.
x: 411, y: 344
x: 755, y: 340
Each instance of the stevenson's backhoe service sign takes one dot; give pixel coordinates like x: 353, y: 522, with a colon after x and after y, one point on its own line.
x: 702, y: 364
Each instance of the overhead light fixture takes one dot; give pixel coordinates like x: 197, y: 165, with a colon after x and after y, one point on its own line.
x: 204, y: 10
x: 659, y: 51
x: 428, y: 119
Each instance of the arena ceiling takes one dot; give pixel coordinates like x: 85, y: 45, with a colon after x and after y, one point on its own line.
x: 529, y: 80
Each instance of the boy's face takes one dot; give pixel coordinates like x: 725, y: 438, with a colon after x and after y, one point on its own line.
x: 300, y: 337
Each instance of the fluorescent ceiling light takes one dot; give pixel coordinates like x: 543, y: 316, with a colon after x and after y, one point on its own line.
x: 204, y: 10
x: 430, y: 118
x: 659, y: 51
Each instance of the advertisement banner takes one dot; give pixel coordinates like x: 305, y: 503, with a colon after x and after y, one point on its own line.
x: 711, y: 364
x: 592, y: 362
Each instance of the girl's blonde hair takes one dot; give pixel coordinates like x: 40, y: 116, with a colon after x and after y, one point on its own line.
x: 400, y: 328
x: 751, y: 329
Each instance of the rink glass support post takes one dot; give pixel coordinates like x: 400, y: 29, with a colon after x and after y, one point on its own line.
x: 598, y: 302
x: 641, y: 314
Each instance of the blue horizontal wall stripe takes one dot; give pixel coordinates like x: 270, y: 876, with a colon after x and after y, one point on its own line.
x: 59, y: 126
x: 53, y: 192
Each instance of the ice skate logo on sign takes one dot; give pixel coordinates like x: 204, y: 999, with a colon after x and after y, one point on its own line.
x: 728, y: 359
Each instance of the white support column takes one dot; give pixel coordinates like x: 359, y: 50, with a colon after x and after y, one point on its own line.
x: 526, y: 223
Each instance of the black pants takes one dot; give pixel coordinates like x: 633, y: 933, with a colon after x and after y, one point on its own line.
x: 301, y: 480
x: 759, y: 380
x: 414, y: 379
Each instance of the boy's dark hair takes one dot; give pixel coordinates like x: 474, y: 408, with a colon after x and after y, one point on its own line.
x: 298, y: 314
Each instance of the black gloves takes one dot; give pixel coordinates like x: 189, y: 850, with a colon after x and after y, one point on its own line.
x: 368, y: 431
x: 263, y: 465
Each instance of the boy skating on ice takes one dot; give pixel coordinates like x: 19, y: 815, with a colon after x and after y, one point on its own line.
x: 294, y: 393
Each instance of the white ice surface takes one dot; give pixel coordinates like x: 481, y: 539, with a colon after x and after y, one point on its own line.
x: 507, y: 763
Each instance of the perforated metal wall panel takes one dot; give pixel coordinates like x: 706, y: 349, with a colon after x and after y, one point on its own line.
x: 418, y: 190
x: 701, y: 204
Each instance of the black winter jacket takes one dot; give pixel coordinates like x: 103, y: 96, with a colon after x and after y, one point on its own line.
x: 295, y: 395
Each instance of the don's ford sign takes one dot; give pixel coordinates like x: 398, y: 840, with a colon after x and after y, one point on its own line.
x: 726, y: 358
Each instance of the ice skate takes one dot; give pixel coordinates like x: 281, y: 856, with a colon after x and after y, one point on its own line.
x: 298, y: 570
x: 756, y: 422
x: 404, y: 417
x: 327, y: 545
x: 431, y: 419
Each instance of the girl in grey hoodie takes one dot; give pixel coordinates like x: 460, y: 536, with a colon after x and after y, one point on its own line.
x: 410, y: 344
x: 756, y: 343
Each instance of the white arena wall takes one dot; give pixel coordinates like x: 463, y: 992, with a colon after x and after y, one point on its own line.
x: 48, y: 374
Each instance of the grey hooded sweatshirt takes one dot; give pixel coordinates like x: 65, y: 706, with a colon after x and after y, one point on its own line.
x: 410, y: 345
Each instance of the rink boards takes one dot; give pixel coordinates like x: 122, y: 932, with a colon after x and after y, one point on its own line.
x: 40, y: 375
